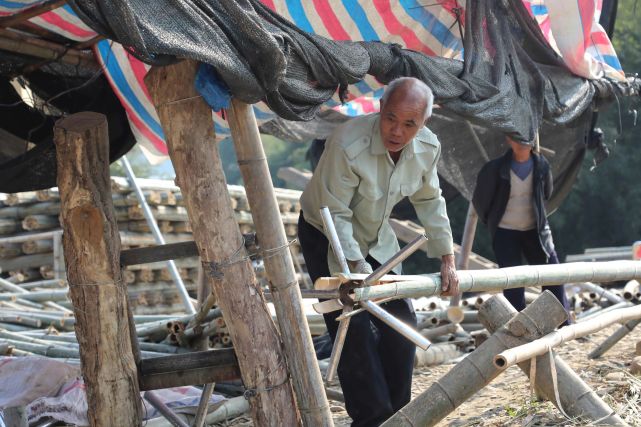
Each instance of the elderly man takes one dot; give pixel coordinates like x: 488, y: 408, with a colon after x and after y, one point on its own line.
x: 370, y: 163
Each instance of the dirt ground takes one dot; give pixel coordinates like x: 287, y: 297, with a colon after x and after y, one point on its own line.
x: 506, y: 401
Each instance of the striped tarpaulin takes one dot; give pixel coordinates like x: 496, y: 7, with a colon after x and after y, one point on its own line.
x: 572, y: 28
x: 433, y: 27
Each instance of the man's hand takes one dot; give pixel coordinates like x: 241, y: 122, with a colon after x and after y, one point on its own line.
x: 360, y: 266
x: 449, y: 278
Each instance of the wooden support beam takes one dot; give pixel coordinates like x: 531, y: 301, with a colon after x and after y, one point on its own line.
x: 17, y: 18
x: 13, y: 41
x: 188, y: 126
x: 188, y: 369
x: 97, y: 291
x: 301, y: 357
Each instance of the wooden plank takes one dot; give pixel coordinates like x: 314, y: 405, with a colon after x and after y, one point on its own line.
x: 158, y: 253
x: 200, y: 367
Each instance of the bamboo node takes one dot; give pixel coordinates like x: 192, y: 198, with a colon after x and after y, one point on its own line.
x: 253, y: 392
x: 245, y: 162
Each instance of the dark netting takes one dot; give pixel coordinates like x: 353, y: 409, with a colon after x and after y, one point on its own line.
x: 511, y: 81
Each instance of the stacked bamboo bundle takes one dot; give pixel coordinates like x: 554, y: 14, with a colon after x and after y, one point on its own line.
x: 27, y: 331
x: 29, y: 220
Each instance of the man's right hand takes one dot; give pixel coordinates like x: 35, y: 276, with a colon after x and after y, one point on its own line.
x: 360, y: 266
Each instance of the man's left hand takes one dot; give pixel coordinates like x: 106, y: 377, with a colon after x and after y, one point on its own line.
x: 449, y: 278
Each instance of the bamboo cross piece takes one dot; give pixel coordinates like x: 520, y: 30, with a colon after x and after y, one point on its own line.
x: 370, y: 306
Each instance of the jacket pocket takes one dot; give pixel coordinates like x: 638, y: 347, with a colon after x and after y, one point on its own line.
x: 370, y: 192
x: 410, y: 188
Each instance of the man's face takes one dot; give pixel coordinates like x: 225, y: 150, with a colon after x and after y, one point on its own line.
x: 401, y: 119
x: 517, y: 147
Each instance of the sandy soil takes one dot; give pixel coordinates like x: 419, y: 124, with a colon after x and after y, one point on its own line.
x: 507, y: 402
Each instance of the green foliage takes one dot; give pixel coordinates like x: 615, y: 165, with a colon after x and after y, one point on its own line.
x: 279, y: 154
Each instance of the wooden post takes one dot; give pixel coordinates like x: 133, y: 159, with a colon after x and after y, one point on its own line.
x: 92, y: 244
x: 189, y: 130
x: 279, y: 266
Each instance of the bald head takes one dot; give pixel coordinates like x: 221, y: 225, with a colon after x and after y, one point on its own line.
x: 409, y: 90
x: 405, y: 106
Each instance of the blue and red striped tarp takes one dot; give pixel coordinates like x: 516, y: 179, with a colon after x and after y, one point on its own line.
x: 430, y: 26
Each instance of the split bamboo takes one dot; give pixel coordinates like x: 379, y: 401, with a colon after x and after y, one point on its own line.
x: 187, y: 123
x: 96, y: 288
x: 507, y: 278
x: 301, y: 357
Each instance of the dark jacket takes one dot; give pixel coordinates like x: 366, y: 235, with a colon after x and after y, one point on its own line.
x: 492, y: 193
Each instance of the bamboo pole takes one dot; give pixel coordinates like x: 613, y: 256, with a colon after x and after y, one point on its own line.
x: 617, y: 336
x: 435, y: 355
x: 507, y: 278
x: 279, y: 266
x: 541, y: 346
x: 599, y: 291
x: 15, y: 42
x: 97, y: 292
x: 151, y: 221
x: 187, y: 124
x: 463, y: 259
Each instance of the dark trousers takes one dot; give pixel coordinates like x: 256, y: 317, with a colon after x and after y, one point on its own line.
x: 375, y: 369
x: 509, y: 247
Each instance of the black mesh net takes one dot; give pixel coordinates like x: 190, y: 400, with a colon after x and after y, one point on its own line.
x: 511, y: 81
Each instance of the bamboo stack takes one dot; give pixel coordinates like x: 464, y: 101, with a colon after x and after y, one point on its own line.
x: 150, y: 286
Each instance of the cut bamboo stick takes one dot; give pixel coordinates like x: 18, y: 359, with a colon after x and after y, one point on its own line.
x: 37, y: 247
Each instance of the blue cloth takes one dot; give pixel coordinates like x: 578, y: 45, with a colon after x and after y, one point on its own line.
x: 212, y: 88
x: 522, y: 170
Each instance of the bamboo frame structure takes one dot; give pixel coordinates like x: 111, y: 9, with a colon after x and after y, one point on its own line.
x: 515, y: 355
x: 476, y: 370
x: 188, y: 126
x: 297, y: 341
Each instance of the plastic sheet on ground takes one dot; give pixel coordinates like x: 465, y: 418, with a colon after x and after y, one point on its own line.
x: 51, y: 388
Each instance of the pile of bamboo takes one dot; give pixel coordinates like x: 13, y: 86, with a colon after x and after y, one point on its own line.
x: 32, y: 331
x: 30, y: 261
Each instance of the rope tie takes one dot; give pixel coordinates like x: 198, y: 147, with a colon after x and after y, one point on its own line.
x: 253, y: 392
x: 215, y: 269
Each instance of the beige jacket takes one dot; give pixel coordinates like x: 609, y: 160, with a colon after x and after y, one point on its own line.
x: 359, y: 182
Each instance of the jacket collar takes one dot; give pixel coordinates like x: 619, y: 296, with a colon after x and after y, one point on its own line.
x: 506, y: 164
